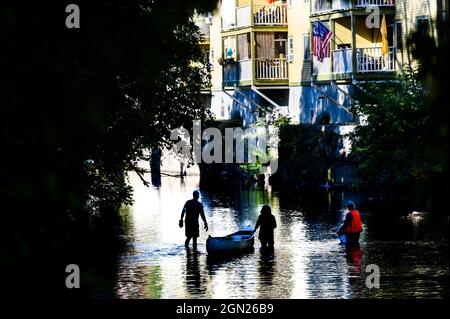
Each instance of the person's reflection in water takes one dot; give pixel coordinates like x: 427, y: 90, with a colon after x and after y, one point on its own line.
x: 193, y: 276
x: 353, y: 254
x: 156, y: 179
x: 266, y: 269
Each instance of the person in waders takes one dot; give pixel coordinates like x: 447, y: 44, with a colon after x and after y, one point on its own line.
x: 193, y: 209
x: 352, y: 226
x: 267, y: 223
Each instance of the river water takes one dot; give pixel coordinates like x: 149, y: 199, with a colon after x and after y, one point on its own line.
x: 307, y: 262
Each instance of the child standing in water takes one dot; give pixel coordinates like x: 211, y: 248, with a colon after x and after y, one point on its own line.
x: 267, y: 222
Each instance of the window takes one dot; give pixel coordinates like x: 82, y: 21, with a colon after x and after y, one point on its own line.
x: 306, y: 55
x: 211, y: 59
x: 265, y: 45
x: 280, y: 44
x: 398, y: 35
x: 390, y: 34
x: 422, y: 25
x: 229, y: 48
x: 290, y: 49
x: 244, y: 52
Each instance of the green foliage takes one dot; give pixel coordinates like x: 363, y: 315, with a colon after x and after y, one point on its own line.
x: 389, y: 146
x: 283, y: 120
x: 306, y: 154
x: 432, y: 50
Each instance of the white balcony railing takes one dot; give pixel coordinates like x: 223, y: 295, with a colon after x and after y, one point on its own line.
x: 319, y: 6
x: 371, y: 60
x: 275, y: 14
x: 342, y: 61
x: 272, y: 69
x: 380, y: 3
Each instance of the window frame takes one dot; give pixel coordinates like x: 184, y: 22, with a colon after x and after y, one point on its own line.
x: 306, y: 47
x: 422, y: 18
x: 398, y: 36
x: 290, y: 49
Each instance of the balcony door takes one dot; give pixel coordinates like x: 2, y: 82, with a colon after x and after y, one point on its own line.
x: 271, y: 45
x: 271, y: 50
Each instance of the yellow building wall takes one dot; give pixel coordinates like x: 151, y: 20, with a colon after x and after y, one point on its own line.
x: 241, y: 3
x: 365, y: 37
x: 216, y: 48
x: 298, y: 26
x: 406, y: 12
x: 265, y: 2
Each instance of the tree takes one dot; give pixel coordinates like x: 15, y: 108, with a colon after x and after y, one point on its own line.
x: 78, y: 108
x: 432, y: 50
x: 389, y: 146
x: 408, y: 127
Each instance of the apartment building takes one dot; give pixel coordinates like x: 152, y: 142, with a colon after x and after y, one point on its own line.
x: 260, y: 53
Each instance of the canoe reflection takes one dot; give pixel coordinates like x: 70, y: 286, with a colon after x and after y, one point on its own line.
x: 215, y: 261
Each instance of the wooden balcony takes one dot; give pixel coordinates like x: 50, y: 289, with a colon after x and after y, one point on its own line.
x: 275, y: 14
x: 272, y: 69
x: 371, y: 60
x: 257, y: 15
x: 368, y: 60
x: 240, y: 72
x: 370, y: 3
x: 319, y: 7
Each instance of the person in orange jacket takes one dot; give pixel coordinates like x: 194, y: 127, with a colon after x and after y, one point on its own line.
x: 352, y: 226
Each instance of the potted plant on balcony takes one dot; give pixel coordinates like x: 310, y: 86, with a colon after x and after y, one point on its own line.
x: 229, y: 60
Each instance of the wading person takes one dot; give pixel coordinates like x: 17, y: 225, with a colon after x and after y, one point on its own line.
x: 267, y: 223
x: 193, y: 209
x: 352, y: 226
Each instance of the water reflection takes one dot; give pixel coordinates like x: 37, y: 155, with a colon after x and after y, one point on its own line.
x: 307, y: 261
x: 193, y: 275
x: 266, y: 270
x: 353, y: 256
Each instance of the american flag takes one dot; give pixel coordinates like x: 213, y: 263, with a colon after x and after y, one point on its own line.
x: 321, y: 40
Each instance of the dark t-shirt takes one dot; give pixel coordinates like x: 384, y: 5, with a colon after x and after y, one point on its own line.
x: 267, y: 223
x: 193, y: 210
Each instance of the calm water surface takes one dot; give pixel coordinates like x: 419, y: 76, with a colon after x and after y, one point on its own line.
x: 307, y: 262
